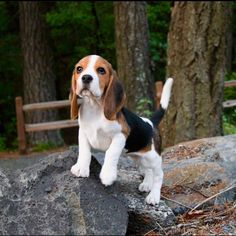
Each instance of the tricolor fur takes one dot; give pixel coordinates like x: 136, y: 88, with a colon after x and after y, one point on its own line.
x: 97, y: 99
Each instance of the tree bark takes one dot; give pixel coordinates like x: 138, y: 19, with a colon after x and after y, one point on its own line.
x: 38, y: 75
x: 132, y: 53
x: 198, y: 47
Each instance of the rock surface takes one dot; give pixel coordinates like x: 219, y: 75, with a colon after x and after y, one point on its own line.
x: 196, y: 170
x: 142, y: 217
x: 45, y: 199
x: 193, y: 171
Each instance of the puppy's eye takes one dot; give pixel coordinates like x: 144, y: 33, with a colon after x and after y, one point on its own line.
x: 101, y: 70
x: 79, y: 69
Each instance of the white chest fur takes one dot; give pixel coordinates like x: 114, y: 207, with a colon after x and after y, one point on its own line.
x: 98, y: 130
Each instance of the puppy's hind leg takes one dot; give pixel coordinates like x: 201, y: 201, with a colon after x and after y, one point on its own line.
x: 147, y: 183
x: 151, y: 160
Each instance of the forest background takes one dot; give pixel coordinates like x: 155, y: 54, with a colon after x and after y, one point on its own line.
x: 75, y: 29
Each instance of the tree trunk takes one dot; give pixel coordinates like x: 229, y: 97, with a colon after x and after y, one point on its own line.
x: 38, y: 75
x: 198, y: 44
x: 132, y: 53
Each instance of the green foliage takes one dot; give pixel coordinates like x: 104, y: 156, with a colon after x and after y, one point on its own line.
x: 79, y: 29
x: 10, y: 72
x: 2, y: 144
x: 228, y: 127
x: 229, y: 115
x: 158, y: 13
x: 40, y: 147
x: 230, y: 92
x: 143, y: 107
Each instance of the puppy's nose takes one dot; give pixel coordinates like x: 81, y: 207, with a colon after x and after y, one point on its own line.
x: 87, y: 79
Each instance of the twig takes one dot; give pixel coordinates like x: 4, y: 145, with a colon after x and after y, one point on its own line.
x: 226, y: 211
x: 215, y: 195
x: 179, y: 203
x: 161, y: 228
x: 187, y: 232
x: 155, y: 229
x: 150, y: 231
x: 191, y: 224
x: 182, y: 225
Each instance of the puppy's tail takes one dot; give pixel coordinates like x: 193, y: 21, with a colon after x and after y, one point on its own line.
x: 165, y: 98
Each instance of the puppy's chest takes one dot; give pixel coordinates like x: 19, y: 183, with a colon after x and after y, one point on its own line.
x: 98, y: 130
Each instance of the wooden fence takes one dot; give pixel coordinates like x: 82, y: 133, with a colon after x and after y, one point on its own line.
x: 22, y: 127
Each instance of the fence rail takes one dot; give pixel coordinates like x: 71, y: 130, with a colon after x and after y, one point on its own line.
x: 46, y: 105
x: 22, y: 127
x: 230, y: 83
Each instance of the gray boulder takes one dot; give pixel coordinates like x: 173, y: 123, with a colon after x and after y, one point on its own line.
x: 45, y: 199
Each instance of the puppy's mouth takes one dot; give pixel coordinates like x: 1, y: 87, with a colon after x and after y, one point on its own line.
x: 85, y: 92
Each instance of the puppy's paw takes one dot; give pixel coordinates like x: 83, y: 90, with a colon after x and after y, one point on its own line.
x: 79, y: 171
x: 108, y: 176
x: 153, y: 198
x: 145, y: 187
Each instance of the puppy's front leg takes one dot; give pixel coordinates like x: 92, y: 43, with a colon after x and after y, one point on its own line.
x: 81, y: 168
x: 109, y: 169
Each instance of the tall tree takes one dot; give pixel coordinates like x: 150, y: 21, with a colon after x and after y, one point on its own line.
x: 38, y: 75
x: 132, y: 52
x: 198, y: 44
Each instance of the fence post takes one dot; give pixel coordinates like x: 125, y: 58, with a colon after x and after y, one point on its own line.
x: 159, y: 87
x: 20, y: 121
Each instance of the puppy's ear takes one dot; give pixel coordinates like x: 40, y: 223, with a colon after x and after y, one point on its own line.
x: 114, y: 98
x: 74, y: 106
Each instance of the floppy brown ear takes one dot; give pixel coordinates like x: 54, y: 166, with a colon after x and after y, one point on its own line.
x: 114, y: 97
x: 74, y: 109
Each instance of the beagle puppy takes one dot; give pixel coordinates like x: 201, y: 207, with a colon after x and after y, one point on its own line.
x: 97, y: 99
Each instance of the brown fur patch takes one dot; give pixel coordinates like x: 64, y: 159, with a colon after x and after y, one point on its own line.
x: 146, y: 149
x: 83, y: 63
x: 114, y: 98
x: 74, y: 108
x: 125, y: 129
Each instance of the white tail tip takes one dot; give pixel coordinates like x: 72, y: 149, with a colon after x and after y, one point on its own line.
x: 166, y: 92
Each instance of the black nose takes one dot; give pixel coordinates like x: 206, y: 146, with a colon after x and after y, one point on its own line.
x: 87, y: 79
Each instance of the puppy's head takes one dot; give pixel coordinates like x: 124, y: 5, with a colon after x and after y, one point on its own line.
x: 94, y: 77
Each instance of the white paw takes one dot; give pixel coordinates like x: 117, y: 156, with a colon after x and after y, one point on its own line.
x: 145, y: 187
x: 78, y: 171
x: 153, y: 198
x: 108, y: 176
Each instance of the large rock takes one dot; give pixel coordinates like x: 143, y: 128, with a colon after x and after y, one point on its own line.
x: 196, y: 170
x: 45, y: 199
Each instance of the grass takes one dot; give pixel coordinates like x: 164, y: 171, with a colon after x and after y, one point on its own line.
x: 40, y: 147
x: 229, y: 128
